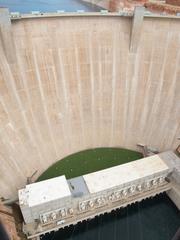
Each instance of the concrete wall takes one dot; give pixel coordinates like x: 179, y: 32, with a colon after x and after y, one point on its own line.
x: 74, y: 85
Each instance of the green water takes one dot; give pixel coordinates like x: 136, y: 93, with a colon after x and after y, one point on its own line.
x: 90, y: 161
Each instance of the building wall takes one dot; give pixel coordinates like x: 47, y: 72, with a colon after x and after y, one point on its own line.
x: 73, y: 84
x: 34, y: 212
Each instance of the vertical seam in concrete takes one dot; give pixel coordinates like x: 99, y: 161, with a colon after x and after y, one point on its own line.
x: 170, y: 97
x: 80, y: 96
x: 67, y: 125
x: 43, y: 102
x: 143, y: 119
x: 92, y: 87
x: 133, y: 92
x: 125, y: 112
x: 65, y: 137
x: 63, y: 81
x: 100, y: 96
x: 113, y: 89
x: 136, y: 28
x: 33, y: 118
x: 157, y: 98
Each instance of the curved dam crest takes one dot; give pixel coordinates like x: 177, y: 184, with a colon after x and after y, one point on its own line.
x: 65, y: 89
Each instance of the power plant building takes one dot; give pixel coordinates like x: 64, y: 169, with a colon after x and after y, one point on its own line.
x: 52, y: 204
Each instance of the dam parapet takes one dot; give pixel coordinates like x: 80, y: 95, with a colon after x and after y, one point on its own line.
x: 55, y: 203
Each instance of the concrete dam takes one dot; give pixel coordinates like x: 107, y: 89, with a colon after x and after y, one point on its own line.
x: 77, y: 81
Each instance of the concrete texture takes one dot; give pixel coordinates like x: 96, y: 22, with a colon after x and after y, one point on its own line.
x: 75, y: 85
x: 6, y: 35
x: 136, y: 28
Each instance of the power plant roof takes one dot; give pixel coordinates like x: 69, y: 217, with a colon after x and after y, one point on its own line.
x: 118, y: 175
x: 44, y: 191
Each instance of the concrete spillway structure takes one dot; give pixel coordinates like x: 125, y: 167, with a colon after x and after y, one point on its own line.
x: 69, y: 82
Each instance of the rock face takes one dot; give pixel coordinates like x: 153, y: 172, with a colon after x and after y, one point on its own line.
x: 73, y: 84
x: 163, y: 8
x: 7, y: 224
x: 169, y: 7
x: 173, y: 2
x: 117, y: 5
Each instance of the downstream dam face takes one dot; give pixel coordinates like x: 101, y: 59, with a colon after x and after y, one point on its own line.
x: 72, y: 82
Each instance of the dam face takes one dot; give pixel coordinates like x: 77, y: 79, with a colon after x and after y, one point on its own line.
x: 71, y: 83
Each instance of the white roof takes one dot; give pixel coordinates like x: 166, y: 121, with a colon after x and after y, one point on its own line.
x: 118, y: 175
x: 44, y: 191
